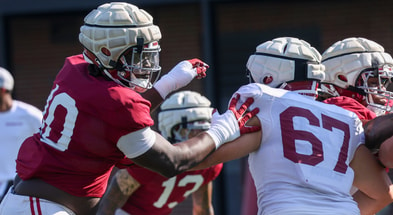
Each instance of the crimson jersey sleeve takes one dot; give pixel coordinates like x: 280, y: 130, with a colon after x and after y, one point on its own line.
x: 83, y: 119
x: 352, y: 105
x: 159, y: 195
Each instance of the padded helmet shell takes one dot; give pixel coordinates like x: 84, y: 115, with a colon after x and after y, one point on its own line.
x: 285, y: 59
x: 187, y: 105
x: 346, y: 59
x: 113, y: 28
x: 349, y: 65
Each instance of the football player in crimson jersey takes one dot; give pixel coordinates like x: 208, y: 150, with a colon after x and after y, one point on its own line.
x: 96, y: 118
x: 139, y: 191
x: 358, y: 72
x: 308, y: 154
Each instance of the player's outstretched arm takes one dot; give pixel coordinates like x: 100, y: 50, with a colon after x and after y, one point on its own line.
x: 180, y: 76
x: 170, y: 160
x: 236, y: 149
x: 121, y: 187
x: 375, y: 187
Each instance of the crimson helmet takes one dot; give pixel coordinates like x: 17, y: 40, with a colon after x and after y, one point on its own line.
x: 122, y: 40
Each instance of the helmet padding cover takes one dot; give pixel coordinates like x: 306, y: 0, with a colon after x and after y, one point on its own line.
x: 184, y: 105
x: 346, y: 59
x: 113, y: 28
x: 285, y: 59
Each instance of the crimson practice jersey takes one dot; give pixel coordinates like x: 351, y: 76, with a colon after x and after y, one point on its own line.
x: 159, y: 195
x: 352, y: 105
x: 302, y: 165
x: 84, y: 118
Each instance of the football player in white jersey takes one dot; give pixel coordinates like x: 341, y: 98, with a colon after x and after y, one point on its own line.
x: 308, y: 154
x: 18, y: 120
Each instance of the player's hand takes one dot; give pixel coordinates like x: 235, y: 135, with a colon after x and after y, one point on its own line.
x: 180, y: 76
x: 230, y: 125
x: 242, y: 116
x: 200, y: 67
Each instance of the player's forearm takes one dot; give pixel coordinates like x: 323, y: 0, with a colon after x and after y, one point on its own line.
x: 374, y: 184
x: 170, y: 160
x: 367, y: 205
x: 236, y: 149
x: 196, y: 149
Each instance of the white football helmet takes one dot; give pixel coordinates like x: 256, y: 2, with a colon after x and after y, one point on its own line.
x: 122, y: 40
x: 287, y: 60
x: 359, y: 68
x: 6, y: 79
x: 183, y: 112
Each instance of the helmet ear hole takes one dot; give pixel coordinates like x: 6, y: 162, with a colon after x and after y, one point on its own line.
x: 267, y: 79
x: 106, y: 51
x: 342, y: 78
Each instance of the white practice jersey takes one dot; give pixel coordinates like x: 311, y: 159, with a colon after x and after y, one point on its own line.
x: 302, y: 165
x: 20, y: 122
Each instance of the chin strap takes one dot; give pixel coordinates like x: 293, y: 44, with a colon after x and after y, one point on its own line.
x: 357, y: 90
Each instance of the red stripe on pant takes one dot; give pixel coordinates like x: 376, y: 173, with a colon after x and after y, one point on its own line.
x: 37, y: 203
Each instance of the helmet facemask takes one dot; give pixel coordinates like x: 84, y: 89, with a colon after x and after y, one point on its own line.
x: 374, y: 81
x: 139, y: 68
x: 185, y: 130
